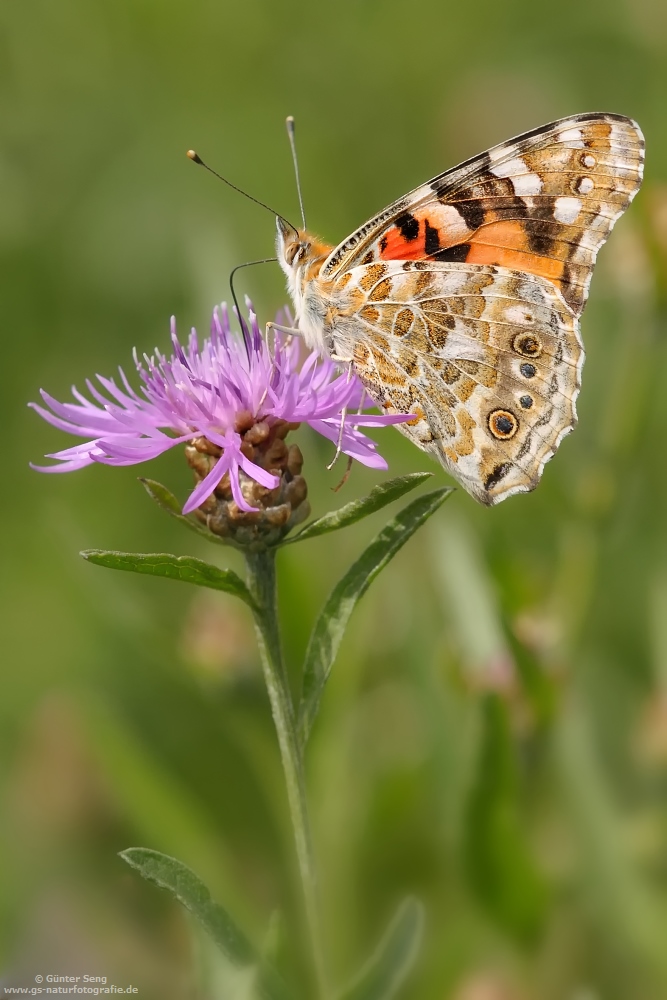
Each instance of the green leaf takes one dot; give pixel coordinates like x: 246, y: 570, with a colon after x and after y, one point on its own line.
x: 378, y: 498
x: 388, y: 968
x: 184, y: 568
x: 330, y: 625
x: 165, y: 499
x: 182, y: 882
x: 500, y: 864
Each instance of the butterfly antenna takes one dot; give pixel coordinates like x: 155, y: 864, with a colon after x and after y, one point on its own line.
x: 292, y: 142
x: 196, y: 158
x: 248, y: 263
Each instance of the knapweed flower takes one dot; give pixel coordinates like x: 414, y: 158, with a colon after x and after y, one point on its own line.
x: 231, y: 400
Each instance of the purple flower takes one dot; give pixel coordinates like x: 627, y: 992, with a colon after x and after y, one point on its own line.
x: 212, y: 391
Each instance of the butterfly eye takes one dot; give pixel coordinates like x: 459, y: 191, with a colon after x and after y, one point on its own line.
x: 293, y: 253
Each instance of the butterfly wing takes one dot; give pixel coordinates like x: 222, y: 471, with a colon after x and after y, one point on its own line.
x: 487, y: 359
x: 460, y: 302
x: 543, y: 203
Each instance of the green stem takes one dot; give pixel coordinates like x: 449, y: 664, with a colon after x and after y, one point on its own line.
x: 262, y: 583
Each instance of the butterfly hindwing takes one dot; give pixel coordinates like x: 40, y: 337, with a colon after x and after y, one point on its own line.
x: 488, y: 360
x: 542, y: 203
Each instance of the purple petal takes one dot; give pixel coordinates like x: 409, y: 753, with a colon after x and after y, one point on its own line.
x: 379, y: 419
x: 256, y: 472
x: 71, y: 466
x: 356, y: 445
x: 204, y: 489
x: 62, y: 425
x: 239, y: 499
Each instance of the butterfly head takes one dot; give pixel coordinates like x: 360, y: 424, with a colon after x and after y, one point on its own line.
x: 292, y: 246
x: 300, y: 255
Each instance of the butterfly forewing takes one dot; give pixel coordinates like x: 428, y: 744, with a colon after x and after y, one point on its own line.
x: 542, y: 203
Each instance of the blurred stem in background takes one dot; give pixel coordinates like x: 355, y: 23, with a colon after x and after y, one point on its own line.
x: 262, y: 584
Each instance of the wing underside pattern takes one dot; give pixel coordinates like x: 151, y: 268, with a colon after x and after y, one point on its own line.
x: 489, y: 361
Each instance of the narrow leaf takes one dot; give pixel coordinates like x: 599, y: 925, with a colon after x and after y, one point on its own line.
x: 190, y: 891
x: 388, y: 968
x: 165, y: 499
x: 185, y: 568
x: 330, y: 625
x: 182, y: 882
x: 378, y: 498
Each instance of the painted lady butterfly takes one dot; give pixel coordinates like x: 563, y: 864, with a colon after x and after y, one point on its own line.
x: 460, y: 303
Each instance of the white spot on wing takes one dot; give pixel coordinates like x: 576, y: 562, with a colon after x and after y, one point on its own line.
x: 519, y: 315
x: 461, y: 345
x: 571, y: 135
x: 566, y: 210
x: 526, y: 185
x: 455, y: 281
x: 586, y: 185
x: 451, y: 220
x: 524, y: 182
x: 423, y: 193
x: 511, y: 168
x: 588, y: 161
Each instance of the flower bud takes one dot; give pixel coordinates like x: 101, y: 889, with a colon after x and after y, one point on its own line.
x: 278, y: 510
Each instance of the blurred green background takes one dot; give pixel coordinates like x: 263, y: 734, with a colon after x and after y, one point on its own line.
x: 494, y: 737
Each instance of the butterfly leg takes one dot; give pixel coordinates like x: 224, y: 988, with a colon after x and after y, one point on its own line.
x: 266, y: 391
x: 348, y: 467
x: 284, y: 329
x: 346, y: 475
x: 362, y: 400
x: 339, y: 443
x: 343, y: 415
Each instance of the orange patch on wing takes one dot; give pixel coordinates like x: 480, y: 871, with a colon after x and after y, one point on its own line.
x: 510, y: 234
x: 501, y: 243
x: 418, y: 415
x: 443, y: 220
x: 504, y: 244
x: 394, y: 246
x: 516, y: 260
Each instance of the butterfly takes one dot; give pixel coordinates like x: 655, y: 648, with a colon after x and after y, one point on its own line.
x: 459, y: 304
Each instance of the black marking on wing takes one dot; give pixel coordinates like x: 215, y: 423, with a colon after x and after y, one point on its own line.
x: 499, y: 472
x: 431, y: 240
x: 455, y: 255
x: 408, y: 225
x: 472, y: 212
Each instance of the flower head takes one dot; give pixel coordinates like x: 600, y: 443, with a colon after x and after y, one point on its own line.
x: 223, y: 397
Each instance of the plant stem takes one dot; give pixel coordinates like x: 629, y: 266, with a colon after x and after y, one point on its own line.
x: 262, y: 583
